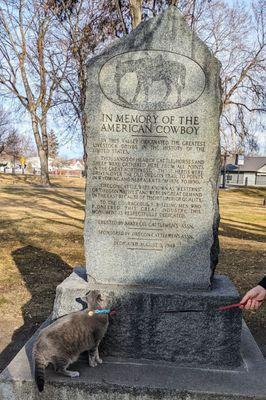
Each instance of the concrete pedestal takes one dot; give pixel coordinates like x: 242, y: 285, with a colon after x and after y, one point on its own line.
x: 118, y: 379
x: 161, y: 324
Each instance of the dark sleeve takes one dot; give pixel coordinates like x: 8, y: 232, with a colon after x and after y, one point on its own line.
x: 263, y: 282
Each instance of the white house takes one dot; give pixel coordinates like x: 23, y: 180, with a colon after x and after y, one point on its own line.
x: 251, y: 173
x: 74, y: 167
x: 34, y: 164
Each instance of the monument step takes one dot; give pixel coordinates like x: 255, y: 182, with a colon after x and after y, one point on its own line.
x: 118, y: 379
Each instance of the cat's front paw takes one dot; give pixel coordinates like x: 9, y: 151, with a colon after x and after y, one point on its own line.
x: 92, y: 362
x: 74, y: 374
x: 99, y: 360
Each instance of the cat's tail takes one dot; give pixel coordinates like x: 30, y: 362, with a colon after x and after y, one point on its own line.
x: 39, y: 373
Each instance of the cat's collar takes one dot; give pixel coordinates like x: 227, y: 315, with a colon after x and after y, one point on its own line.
x: 99, y: 311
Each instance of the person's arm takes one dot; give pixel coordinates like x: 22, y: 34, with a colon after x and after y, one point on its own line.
x: 263, y: 282
x: 253, y: 299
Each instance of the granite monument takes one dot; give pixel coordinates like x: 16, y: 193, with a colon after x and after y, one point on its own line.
x: 151, y: 228
x: 151, y: 232
x: 153, y: 143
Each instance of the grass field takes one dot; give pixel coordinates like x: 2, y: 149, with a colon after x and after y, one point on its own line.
x: 42, y: 239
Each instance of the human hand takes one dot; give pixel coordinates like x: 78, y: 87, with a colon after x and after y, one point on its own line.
x: 253, y: 298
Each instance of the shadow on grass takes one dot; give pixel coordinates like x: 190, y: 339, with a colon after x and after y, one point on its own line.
x: 244, y: 225
x: 57, y: 203
x: 41, y: 272
x: 259, y: 191
x: 233, y: 231
x: 55, y: 196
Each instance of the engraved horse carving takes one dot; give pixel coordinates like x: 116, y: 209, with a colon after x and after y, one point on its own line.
x: 149, y: 70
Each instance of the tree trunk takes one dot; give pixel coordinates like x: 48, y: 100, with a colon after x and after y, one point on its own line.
x: 14, y: 165
x: 173, y: 2
x: 82, y: 79
x: 44, y: 135
x: 84, y: 122
x: 44, y: 167
x: 135, y: 12
x: 224, y: 172
x: 42, y: 153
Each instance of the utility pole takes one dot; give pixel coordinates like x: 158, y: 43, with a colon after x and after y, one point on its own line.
x: 224, y: 170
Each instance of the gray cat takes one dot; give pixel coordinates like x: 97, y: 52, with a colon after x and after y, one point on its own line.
x: 64, y: 340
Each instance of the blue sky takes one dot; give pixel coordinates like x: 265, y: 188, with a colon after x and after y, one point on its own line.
x: 71, y: 150
x: 262, y: 143
x: 68, y: 148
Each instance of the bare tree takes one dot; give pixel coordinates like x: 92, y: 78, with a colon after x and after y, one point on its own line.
x: 235, y: 33
x: 17, y: 146
x: 31, y: 66
x: 84, y: 26
x: 4, y: 128
x: 236, y: 36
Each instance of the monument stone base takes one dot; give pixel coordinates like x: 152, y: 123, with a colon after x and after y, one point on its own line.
x: 118, y: 379
x: 163, y: 325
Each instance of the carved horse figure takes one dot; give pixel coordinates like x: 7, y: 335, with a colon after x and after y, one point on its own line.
x: 149, y: 70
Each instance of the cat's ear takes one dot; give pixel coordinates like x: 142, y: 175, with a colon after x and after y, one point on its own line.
x: 93, y: 297
x: 99, y: 297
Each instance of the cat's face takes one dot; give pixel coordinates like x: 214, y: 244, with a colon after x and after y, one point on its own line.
x: 95, y: 300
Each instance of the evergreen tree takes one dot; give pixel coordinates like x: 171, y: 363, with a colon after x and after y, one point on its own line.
x: 53, y: 145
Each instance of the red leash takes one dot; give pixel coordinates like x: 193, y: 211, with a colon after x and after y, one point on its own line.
x: 224, y: 308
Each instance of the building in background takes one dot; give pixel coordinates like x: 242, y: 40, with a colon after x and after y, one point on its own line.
x: 73, y: 167
x: 33, y: 165
x: 11, y: 164
x: 250, y: 172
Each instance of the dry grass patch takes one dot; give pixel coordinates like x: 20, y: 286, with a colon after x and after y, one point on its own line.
x: 243, y: 245
x: 41, y: 237
x: 35, y: 180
